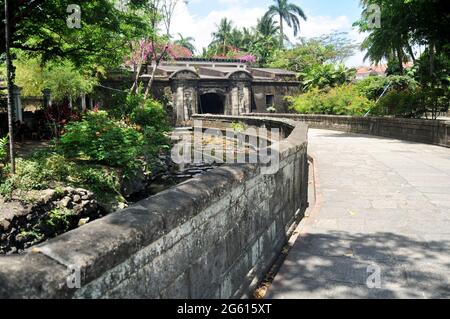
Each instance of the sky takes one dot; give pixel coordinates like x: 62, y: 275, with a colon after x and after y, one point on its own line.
x: 198, y: 19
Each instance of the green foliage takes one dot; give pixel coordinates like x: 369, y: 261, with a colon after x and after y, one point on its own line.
x: 373, y: 86
x: 326, y: 76
x: 414, y: 103
x: 56, y: 221
x: 34, y: 235
x: 151, y: 114
x: 287, y: 12
x: 48, y: 169
x: 342, y: 100
x: 309, y: 53
x: 238, y: 127
x: 66, y: 81
x: 40, y: 28
x: 100, y: 139
x: 3, y: 148
x: 60, y: 76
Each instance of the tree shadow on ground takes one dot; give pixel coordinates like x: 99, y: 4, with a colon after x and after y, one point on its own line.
x: 338, y: 265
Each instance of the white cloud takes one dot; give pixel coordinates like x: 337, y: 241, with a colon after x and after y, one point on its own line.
x: 189, y: 24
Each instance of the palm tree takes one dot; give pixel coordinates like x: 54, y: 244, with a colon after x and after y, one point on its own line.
x: 222, y: 35
x: 267, y: 26
x: 185, y: 42
x: 288, y: 12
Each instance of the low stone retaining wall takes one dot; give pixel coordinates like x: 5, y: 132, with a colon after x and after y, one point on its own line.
x: 213, y: 236
x: 422, y: 131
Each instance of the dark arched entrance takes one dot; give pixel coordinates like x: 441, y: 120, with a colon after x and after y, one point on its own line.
x: 212, y: 103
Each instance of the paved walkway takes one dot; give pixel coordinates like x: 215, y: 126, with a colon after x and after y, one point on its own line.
x: 383, y: 205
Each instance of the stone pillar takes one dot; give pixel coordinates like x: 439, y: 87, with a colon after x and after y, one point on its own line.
x: 185, y: 100
x: 83, y: 103
x: 235, y: 101
x: 178, y: 103
x: 246, y: 100
x: 18, y: 114
x: 47, y: 93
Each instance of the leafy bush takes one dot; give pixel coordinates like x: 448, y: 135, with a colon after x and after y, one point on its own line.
x: 152, y: 113
x: 238, y: 127
x: 52, y: 170
x: 151, y: 119
x: 373, y: 86
x: 414, y: 103
x: 3, y: 149
x: 326, y: 76
x: 100, y: 139
x: 342, y: 100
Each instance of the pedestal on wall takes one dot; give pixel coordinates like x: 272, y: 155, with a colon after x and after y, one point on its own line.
x: 18, y: 112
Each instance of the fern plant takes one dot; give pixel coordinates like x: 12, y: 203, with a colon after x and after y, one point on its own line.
x: 3, y: 149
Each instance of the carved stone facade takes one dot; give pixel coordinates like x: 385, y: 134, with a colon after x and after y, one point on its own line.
x: 218, y: 87
x: 196, y: 86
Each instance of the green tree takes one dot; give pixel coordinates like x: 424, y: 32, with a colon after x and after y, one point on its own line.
x: 40, y: 28
x: 309, y: 53
x: 267, y: 27
x: 185, y: 42
x: 62, y: 77
x: 326, y: 76
x: 288, y: 12
x: 222, y: 36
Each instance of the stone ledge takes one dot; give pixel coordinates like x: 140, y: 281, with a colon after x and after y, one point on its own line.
x: 98, y: 247
x: 436, y: 132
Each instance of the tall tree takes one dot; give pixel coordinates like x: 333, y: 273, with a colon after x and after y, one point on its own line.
x: 160, y: 12
x: 10, y: 86
x: 40, y: 28
x: 390, y: 41
x: 222, y: 36
x: 267, y: 26
x: 288, y: 12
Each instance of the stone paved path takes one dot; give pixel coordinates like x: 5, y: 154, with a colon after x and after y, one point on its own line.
x: 382, y: 204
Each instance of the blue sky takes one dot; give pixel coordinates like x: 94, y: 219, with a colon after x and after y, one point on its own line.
x: 198, y: 18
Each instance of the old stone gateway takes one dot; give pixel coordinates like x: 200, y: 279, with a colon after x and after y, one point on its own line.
x: 227, y: 87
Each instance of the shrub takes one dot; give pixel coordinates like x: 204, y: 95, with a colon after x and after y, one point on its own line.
x: 52, y: 170
x: 326, y: 76
x: 151, y: 113
x: 342, y: 100
x: 3, y: 153
x: 100, y: 139
x: 3, y: 149
x: 399, y: 102
x: 414, y: 103
x: 373, y: 86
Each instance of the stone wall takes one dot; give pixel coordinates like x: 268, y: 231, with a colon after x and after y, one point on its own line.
x: 422, y: 131
x: 278, y: 89
x: 214, y: 236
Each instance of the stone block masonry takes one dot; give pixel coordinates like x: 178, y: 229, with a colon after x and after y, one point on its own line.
x: 436, y: 132
x: 213, y: 236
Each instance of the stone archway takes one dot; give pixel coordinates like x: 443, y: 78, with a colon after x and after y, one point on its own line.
x: 212, y: 103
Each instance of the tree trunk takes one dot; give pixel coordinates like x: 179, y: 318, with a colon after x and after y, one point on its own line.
x: 154, y: 68
x: 150, y: 81
x: 411, y: 53
x: 281, y: 32
x: 10, y: 91
x: 431, y: 50
x: 136, y: 78
x: 400, y: 60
